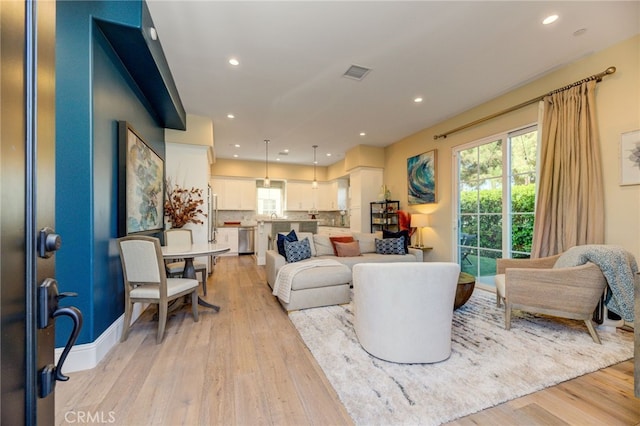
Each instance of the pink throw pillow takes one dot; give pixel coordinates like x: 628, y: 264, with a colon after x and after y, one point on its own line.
x: 342, y: 239
x: 348, y: 249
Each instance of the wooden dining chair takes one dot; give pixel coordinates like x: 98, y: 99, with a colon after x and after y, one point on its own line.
x: 175, y: 268
x: 145, y: 281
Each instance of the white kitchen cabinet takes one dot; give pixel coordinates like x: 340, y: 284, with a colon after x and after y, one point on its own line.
x: 329, y: 196
x: 217, y: 187
x: 332, y: 195
x: 228, y: 237
x: 300, y: 196
x: 235, y: 194
x: 365, y: 186
x: 241, y: 194
x: 342, y: 188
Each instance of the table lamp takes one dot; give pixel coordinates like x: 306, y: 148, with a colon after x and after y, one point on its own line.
x: 419, y: 221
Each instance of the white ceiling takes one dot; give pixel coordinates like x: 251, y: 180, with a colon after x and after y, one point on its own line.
x: 289, y: 86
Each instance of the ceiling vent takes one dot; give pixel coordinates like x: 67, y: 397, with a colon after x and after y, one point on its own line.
x: 356, y: 72
x: 283, y: 153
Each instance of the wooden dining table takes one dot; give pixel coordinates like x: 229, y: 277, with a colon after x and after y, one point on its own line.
x: 188, y: 253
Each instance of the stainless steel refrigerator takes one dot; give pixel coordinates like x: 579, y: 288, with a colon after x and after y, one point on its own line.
x: 212, y: 221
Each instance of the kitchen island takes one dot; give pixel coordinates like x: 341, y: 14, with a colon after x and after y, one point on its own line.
x: 332, y: 230
x: 268, y: 229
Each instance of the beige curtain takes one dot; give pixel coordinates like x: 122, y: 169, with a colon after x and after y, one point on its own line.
x: 570, y: 201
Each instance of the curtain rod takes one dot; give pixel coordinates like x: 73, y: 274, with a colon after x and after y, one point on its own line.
x: 596, y: 77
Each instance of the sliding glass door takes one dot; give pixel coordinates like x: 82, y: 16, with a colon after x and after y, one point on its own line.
x: 495, y: 184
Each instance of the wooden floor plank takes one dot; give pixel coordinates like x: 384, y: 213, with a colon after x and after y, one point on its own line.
x: 247, y: 365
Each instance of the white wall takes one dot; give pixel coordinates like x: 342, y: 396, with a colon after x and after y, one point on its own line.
x: 188, y: 166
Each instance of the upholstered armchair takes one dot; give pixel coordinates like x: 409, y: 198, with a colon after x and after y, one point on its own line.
x: 534, y: 285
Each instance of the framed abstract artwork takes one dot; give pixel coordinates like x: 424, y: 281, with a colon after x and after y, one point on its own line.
x: 141, y: 184
x: 421, y: 178
x: 630, y: 158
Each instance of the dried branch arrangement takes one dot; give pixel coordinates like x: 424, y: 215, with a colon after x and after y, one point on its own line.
x: 182, y: 205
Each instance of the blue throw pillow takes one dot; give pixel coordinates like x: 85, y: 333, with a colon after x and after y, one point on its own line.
x: 404, y: 233
x: 297, y: 250
x: 291, y: 236
x: 390, y: 246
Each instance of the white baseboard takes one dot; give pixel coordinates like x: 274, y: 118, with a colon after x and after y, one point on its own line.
x: 88, y: 355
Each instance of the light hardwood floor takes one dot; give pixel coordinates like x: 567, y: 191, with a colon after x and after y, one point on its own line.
x: 246, y: 365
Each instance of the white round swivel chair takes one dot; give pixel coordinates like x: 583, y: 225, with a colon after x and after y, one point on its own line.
x: 403, y: 311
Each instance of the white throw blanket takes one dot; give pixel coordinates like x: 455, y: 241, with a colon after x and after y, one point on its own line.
x: 282, y: 286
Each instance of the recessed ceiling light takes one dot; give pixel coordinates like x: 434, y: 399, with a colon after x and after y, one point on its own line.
x: 328, y: 154
x: 277, y: 159
x: 286, y: 150
x: 550, y: 19
x: 417, y: 100
x: 235, y: 155
x: 234, y: 62
x: 363, y: 134
x: 237, y: 145
x: 231, y: 116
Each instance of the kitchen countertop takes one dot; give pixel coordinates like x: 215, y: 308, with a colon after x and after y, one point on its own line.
x: 287, y: 220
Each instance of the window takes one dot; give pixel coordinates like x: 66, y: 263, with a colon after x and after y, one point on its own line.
x: 270, y: 200
x: 495, y: 186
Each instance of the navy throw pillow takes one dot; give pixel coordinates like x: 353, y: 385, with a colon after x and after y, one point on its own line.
x: 404, y: 233
x: 390, y: 246
x: 291, y: 236
x: 297, y: 250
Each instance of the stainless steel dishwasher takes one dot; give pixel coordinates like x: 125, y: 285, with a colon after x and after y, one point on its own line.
x: 246, y: 239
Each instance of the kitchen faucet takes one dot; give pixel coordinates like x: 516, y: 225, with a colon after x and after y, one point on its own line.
x: 274, y: 215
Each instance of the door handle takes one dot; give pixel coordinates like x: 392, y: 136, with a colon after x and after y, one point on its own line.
x: 76, y: 316
x: 48, y: 298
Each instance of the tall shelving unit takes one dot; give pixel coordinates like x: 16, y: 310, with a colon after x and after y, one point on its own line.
x: 384, y: 215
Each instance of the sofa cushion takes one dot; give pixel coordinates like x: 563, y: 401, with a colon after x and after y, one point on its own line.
x: 291, y: 236
x: 347, y: 249
x: 297, y: 250
x: 372, y: 258
x: 309, y: 235
x: 404, y: 233
x: 367, y: 241
x: 325, y: 276
x: 340, y: 239
x: 390, y: 246
x: 322, y: 245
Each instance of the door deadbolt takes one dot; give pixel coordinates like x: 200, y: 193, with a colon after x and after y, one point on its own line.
x: 48, y: 242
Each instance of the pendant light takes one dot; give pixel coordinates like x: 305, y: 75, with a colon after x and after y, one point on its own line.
x: 314, y: 184
x: 267, y: 181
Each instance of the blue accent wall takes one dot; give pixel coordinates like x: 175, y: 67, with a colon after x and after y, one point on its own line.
x: 93, y: 92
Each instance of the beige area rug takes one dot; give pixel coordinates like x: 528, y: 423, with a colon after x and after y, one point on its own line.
x: 488, y: 365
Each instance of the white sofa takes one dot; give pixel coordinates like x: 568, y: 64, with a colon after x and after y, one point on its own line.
x: 329, y: 285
